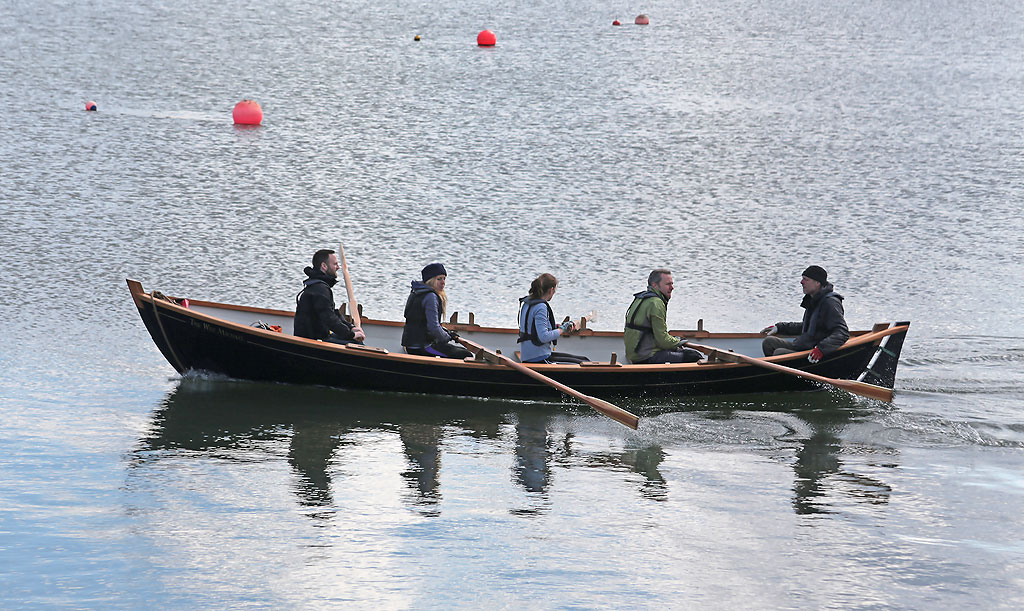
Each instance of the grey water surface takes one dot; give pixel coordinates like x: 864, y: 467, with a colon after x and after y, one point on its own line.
x: 733, y: 142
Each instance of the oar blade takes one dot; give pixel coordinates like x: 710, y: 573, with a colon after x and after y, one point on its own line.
x: 866, y: 390
x: 614, y: 412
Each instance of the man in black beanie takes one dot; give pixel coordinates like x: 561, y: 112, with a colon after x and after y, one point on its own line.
x: 823, y: 329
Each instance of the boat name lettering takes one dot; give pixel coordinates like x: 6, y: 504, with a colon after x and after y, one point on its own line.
x: 205, y: 326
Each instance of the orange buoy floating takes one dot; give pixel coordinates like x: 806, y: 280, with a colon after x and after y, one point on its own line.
x: 486, y: 38
x: 642, y: 20
x: 90, y: 105
x: 416, y: 37
x: 616, y: 22
x: 247, y: 112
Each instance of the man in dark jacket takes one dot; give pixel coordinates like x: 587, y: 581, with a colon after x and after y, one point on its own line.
x: 315, y: 314
x: 823, y: 329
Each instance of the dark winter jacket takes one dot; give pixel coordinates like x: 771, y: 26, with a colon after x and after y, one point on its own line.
x: 315, y: 314
x: 423, y: 318
x: 823, y: 326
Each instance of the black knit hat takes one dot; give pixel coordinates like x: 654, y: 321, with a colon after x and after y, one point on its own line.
x: 816, y: 273
x: 434, y: 269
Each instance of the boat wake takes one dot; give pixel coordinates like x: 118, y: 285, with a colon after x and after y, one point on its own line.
x: 931, y: 430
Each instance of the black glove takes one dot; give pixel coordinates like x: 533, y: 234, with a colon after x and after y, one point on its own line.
x: 454, y: 335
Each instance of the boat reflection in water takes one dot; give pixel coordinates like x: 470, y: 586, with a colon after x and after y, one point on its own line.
x: 831, y: 442
x: 421, y: 444
x: 827, y: 439
x: 329, y: 436
x: 820, y: 473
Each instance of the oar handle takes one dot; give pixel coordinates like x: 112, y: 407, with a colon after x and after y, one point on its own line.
x: 352, y: 305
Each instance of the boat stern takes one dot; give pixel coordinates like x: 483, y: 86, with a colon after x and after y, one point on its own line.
x: 881, y: 369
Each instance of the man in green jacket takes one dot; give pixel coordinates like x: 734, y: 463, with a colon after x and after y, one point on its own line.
x: 646, y: 334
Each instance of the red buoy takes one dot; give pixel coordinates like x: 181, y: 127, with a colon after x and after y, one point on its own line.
x: 90, y: 105
x: 247, y: 112
x: 486, y: 38
x: 642, y: 20
x: 616, y: 22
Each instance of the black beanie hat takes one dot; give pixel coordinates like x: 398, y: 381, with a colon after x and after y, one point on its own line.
x: 434, y: 269
x: 816, y: 273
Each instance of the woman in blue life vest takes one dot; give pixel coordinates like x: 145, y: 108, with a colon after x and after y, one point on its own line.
x: 537, y: 330
x: 423, y: 333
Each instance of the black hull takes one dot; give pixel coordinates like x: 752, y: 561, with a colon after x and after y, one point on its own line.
x: 192, y: 341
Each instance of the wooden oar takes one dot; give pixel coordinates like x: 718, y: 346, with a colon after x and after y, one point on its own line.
x: 612, y: 411
x: 858, y: 388
x: 352, y: 305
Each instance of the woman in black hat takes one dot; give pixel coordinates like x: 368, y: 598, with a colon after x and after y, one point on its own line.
x: 424, y: 310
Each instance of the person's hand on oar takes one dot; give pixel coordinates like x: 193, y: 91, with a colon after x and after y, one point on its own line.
x: 359, y: 334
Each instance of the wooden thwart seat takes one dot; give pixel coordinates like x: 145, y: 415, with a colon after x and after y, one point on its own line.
x: 366, y: 348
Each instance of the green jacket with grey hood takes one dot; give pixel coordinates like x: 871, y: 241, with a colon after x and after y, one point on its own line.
x: 646, y: 331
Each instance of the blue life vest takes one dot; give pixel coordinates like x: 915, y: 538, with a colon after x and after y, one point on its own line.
x: 526, y: 318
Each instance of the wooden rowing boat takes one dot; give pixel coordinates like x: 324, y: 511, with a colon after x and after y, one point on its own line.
x: 221, y: 338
